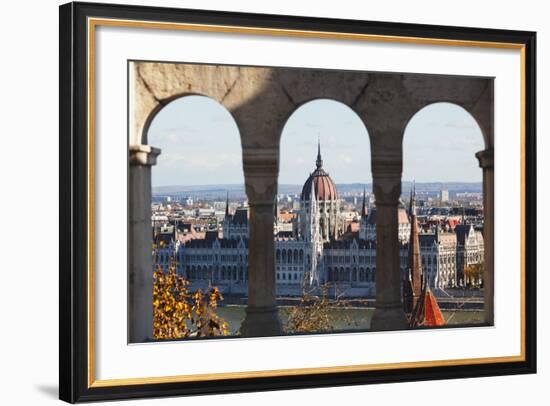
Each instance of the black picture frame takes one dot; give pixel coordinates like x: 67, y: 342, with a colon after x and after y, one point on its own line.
x: 74, y: 200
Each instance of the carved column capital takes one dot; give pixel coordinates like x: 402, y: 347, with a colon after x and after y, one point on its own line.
x: 143, y: 155
x: 486, y: 158
x: 261, y: 167
x: 386, y: 174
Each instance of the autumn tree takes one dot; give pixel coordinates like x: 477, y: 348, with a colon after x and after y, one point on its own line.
x: 179, y: 312
x: 315, y: 313
x: 473, y: 274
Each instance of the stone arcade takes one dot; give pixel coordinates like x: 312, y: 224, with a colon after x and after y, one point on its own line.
x: 260, y: 101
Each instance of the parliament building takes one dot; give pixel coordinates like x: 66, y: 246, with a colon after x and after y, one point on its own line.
x: 316, y: 250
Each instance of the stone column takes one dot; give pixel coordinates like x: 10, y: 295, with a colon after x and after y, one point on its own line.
x: 388, y: 313
x: 486, y: 159
x: 261, y: 166
x: 140, y: 261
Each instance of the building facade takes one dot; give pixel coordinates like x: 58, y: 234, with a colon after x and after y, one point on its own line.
x: 314, y: 252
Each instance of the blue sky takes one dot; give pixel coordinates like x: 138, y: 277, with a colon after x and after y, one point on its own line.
x: 200, y: 144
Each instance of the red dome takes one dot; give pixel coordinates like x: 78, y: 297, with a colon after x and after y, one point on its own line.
x: 324, y: 187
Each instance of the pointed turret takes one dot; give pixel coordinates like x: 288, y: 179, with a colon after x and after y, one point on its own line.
x: 412, y: 288
x: 419, y: 302
x: 364, y: 212
x: 412, y: 202
x: 427, y: 312
x: 314, y: 238
x: 312, y: 215
x: 319, y: 161
x: 227, y: 206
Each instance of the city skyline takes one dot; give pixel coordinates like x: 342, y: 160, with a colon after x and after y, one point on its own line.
x: 442, y: 137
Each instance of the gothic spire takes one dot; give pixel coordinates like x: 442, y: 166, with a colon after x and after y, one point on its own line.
x: 412, y: 203
x: 319, y: 161
x: 364, y: 208
x: 227, y: 206
x: 413, y: 280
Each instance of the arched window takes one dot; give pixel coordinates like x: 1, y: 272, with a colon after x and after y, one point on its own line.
x: 317, y: 122
x: 456, y: 136
x: 189, y: 130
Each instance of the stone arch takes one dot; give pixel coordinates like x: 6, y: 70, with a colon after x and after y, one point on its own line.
x: 184, y: 104
x: 260, y: 100
x: 297, y: 140
x: 480, y: 111
x: 335, y: 101
x: 454, y: 109
x: 144, y: 138
x: 335, y: 97
x: 472, y: 94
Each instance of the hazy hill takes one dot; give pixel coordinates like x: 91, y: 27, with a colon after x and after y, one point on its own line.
x: 236, y: 190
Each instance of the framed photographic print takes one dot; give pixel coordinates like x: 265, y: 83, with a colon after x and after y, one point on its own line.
x: 255, y: 202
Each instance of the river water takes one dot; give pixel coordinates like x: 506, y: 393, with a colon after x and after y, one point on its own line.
x: 347, y: 319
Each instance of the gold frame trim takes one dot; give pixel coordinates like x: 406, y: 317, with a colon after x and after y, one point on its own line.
x: 94, y: 22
